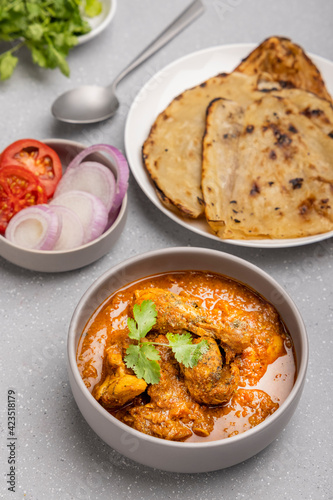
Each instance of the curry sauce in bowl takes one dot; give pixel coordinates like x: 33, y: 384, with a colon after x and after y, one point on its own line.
x: 187, y: 359
x: 247, y: 372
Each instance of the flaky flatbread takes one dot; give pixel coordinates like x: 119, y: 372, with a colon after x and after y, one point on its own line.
x: 267, y: 170
x: 287, y: 63
x: 172, y: 153
x: 319, y: 111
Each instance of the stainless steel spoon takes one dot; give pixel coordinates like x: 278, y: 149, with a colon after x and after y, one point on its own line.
x: 91, y: 104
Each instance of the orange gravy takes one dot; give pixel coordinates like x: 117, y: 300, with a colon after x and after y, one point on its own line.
x: 267, y: 367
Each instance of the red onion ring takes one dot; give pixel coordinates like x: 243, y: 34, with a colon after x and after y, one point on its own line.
x: 118, y: 161
x: 72, y: 231
x: 90, y: 210
x: 36, y: 227
x: 91, y: 177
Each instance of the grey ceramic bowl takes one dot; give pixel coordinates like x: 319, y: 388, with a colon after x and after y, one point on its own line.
x: 179, y: 456
x: 58, y: 261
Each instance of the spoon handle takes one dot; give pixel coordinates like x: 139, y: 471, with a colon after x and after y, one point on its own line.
x: 188, y: 15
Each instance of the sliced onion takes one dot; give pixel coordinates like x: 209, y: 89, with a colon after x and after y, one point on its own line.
x: 91, y: 177
x: 118, y: 161
x: 113, y: 214
x: 72, y: 232
x: 90, y: 210
x: 36, y: 227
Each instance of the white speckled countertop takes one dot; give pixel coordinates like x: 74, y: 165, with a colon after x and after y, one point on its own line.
x: 58, y: 456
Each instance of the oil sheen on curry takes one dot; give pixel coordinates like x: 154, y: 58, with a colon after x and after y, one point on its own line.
x: 245, y: 373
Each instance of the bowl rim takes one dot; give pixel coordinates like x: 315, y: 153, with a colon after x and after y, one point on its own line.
x: 116, y: 222
x: 101, y: 26
x: 260, y: 428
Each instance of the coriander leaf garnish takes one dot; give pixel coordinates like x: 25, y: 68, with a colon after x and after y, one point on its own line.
x: 143, y: 358
x: 8, y: 63
x: 144, y: 319
x: 143, y: 361
x: 185, y: 352
x: 48, y: 28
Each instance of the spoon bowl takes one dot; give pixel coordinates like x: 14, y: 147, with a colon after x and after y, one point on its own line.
x: 87, y: 104
x: 91, y: 104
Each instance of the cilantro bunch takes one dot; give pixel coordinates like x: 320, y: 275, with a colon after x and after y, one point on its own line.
x: 143, y: 357
x: 48, y: 28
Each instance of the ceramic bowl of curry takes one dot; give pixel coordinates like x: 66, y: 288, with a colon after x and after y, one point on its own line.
x: 187, y: 359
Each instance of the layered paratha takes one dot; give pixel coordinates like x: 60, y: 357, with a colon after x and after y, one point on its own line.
x: 172, y: 153
x: 267, y: 170
x: 286, y: 63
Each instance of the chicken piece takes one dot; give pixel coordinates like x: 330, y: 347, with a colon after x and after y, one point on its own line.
x: 171, y: 413
x: 209, y: 382
x: 176, y: 314
x: 119, y: 386
x: 155, y: 422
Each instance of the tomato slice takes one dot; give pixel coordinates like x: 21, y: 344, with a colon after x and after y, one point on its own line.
x: 37, y: 157
x: 19, y: 189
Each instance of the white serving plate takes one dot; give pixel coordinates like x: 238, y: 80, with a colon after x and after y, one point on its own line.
x: 159, y: 91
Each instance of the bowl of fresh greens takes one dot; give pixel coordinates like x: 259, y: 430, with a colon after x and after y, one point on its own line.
x: 50, y: 29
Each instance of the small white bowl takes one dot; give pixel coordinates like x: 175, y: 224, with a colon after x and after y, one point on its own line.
x: 99, y: 23
x: 181, y: 456
x: 54, y: 261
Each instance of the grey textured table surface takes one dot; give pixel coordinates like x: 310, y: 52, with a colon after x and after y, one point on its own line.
x: 58, y: 456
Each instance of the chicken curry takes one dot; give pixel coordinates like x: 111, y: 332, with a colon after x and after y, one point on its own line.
x: 245, y: 372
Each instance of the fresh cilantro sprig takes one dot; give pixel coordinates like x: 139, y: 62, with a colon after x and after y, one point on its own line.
x: 48, y: 28
x: 143, y: 357
x: 185, y: 351
x: 144, y: 319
